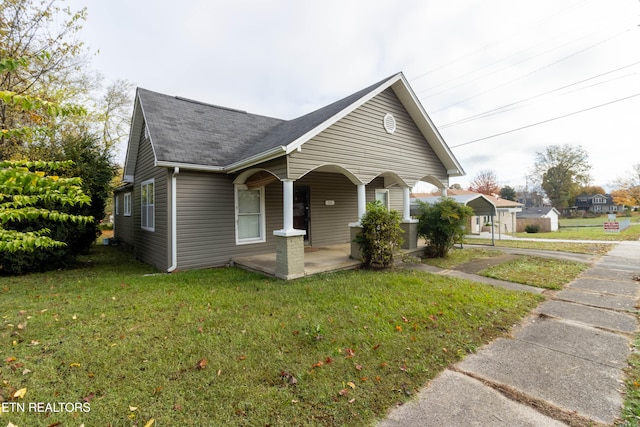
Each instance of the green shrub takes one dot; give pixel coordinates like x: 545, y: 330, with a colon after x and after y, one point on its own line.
x: 531, y: 228
x: 381, y: 235
x: 442, y: 225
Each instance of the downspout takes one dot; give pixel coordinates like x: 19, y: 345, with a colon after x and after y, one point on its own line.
x: 174, y: 221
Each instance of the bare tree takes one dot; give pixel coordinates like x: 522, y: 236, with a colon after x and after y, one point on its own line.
x: 485, y: 182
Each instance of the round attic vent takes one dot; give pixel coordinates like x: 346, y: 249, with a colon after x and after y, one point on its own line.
x: 389, y: 123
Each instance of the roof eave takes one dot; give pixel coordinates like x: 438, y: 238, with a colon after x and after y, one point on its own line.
x: 190, y: 166
x: 274, y: 153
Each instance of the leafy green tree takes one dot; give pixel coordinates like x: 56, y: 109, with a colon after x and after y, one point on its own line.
x: 46, y: 62
x: 561, y: 170
x: 442, y: 225
x: 508, y: 193
x: 36, y: 219
x: 381, y: 235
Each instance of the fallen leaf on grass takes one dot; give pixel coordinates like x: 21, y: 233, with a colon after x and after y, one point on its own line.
x: 20, y: 393
x: 88, y: 398
x: 133, y: 408
x: 349, y: 353
x: 351, y: 384
x: 202, y: 363
x: 74, y: 365
x: 150, y: 422
x: 343, y: 392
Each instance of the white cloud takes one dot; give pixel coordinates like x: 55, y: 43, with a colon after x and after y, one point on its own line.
x: 286, y: 58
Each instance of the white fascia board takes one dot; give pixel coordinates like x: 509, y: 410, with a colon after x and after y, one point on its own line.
x: 190, y: 166
x: 135, y: 124
x: 427, y: 127
x: 258, y: 158
x: 295, y: 145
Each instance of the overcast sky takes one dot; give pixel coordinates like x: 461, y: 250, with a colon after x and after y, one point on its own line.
x: 480, y: 68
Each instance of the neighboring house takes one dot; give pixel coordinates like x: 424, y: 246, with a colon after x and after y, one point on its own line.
x: 205, y: 184
x: 599, y: 203
x: 487, y: 209
x: 545, y: 217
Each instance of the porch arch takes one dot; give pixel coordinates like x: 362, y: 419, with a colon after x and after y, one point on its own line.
x: 256, y: 177
x: 434, y: 181
x: 334, y: 168
x: 391, y: 179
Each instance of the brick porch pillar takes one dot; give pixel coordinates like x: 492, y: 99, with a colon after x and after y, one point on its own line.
x: 289, y: 256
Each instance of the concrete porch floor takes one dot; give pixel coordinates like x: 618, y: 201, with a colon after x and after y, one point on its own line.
x: 316, y: 260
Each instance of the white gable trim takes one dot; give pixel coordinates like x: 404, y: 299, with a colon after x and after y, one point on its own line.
x: 138, y: 122
x: 297, y: 144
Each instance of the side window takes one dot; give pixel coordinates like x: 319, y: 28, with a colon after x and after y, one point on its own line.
x: 127, y: 204
x: 147, y: 205
x: 250, y: 221
x: 383, y: 197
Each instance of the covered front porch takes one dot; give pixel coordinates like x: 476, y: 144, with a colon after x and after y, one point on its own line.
x: 316, y: 260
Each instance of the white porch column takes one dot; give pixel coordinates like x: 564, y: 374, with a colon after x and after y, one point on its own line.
x: 443, y: 192
x: 287, y: 211
x: 287, y: 204
x: 289, y: 241
x: 362, y: 201
x: 406, y: 204
x: 408, y: 225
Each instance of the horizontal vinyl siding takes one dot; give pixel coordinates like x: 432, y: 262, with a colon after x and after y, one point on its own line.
x: 359, y: 143
x: 123, y: 225
x: 330, y: 224
x: 206, y: 220
x: 151, y: 246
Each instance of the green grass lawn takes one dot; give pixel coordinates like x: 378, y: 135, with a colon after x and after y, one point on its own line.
x: 579, y: 248
x: 528, y: 270
x: 587, y: 233
x: 229, y: 347
x: 536, y: 271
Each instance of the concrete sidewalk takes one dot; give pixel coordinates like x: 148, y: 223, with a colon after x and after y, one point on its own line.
x: 562, y: 366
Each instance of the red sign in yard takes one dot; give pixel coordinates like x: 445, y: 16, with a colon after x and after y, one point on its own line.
x: 612, y: 227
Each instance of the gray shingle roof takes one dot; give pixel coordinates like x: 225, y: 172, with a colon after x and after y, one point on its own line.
x: 192, y: 132
x: 534, y: 212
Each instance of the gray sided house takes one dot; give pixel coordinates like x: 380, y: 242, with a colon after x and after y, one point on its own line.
x: 205, y: 184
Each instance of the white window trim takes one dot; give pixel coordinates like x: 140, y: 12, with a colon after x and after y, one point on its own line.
x: 117, y: 203
x: 263, y: 223
x: 127, y: 204
x: 385, y: 191
x: 142, y: 207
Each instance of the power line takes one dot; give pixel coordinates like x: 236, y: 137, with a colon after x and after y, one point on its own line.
x: 535, y: 71
x: 545, y: 121
x: 497, y: 109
